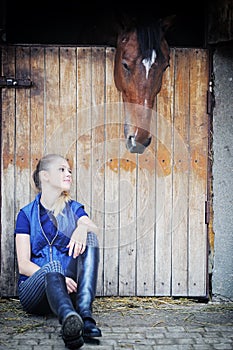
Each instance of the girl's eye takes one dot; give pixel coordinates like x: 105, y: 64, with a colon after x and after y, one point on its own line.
x: 62, y: 169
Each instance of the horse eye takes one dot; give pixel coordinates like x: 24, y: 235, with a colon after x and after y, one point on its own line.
x: 125, y: 65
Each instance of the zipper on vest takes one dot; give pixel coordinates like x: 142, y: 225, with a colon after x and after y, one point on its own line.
x: 49, y: 243
x: 50, y: 253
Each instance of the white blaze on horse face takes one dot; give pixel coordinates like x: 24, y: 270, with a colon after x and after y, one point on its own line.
x: 147, y: 62
x: 145, y: 102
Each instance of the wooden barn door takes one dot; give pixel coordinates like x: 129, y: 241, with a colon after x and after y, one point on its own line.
x: 150, y: 208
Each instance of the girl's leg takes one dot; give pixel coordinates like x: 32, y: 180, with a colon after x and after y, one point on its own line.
x: 75, y: 265
x: 87, y: 282
x: 61, y: 305
x: 47, y: 288
x: 32, y: 293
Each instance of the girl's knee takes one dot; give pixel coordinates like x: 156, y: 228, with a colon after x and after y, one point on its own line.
x: 55, y: 266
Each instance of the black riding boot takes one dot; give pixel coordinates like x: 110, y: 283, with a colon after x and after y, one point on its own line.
x: 87, y: 281
x: 61, y: 305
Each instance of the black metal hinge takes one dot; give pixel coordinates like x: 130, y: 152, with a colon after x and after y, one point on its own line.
x: 7, y: 82
x: 207, y: 212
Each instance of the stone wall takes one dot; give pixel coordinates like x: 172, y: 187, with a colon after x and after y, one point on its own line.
x: 222, y: 278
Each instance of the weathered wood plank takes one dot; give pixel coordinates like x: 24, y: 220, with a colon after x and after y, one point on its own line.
x: 197, y: 257
x: 83, y: 185
x: 163, y: 198
x: 98, y: 150
x: 37, y: 142
x: 145, y: 244
x: 22, y: 145
x: 112, y: 169
x: 128, y: 221
x: 8, y: 271
x: 23, y: 129
x: 51, y: 98
x: 64, y: 134
x: 180, y: 174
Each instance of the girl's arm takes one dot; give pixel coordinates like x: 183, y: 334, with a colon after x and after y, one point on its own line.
x: 86, y: 221
x: 77, y: 244
x: 23, y: 251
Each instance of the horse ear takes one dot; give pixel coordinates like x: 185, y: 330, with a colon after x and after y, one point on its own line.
x: 167, y: 22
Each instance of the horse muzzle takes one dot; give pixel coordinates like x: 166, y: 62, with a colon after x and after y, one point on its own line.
x: 136, y: 147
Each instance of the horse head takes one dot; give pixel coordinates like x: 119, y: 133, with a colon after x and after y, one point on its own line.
x: 142, y: 56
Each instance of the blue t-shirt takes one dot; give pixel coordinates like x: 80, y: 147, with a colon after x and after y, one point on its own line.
x: 48, y: 222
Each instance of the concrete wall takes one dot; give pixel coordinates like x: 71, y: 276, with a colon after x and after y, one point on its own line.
x: 222, y: 278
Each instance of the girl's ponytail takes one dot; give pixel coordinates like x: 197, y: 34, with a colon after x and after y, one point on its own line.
x: 60, y: 203
x: 36, y: 177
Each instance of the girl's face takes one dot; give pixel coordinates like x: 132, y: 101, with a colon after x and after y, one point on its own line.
x: 60, y: 175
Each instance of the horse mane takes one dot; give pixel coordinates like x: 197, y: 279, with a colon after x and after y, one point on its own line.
x: 149, y: 38
x: 150, y: 31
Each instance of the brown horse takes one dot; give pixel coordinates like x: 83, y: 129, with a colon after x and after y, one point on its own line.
x: 142, y: 56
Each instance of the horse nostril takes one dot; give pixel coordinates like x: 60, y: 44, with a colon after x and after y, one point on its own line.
x: 132, y: 140
x: 131, y: 143
x: 147, y: 143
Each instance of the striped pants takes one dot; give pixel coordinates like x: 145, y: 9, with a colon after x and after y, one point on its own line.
x: 32, y: 293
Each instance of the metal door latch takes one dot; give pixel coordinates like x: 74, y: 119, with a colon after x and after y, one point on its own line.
x: 6, y: 82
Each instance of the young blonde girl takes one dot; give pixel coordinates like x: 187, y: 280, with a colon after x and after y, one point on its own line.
x: 58, y: 253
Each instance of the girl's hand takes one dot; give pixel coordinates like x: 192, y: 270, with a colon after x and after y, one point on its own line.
x: 77, y: 244
x: 71, y: 285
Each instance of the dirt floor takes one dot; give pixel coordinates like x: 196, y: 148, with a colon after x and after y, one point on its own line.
x: 151, y: 311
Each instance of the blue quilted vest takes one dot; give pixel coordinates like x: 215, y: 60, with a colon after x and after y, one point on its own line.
x: 43, y: 251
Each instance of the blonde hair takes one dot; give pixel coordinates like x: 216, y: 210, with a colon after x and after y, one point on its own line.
x: 44, y: 164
